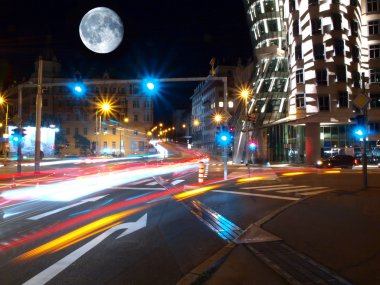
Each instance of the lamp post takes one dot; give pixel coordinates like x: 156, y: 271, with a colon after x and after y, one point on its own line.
x: 5, y: 135
x: 218, y: 119
x: 245, y: 95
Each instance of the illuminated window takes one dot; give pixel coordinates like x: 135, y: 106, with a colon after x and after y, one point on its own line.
x: 374, y: 76
x: 343, y: 99
x: 374, y: 51
x: 321, y: 76
x: 299, y: 76
x: 373, y: 27
x: 296, y: 28
x: 316, y: 26
x: 324, y: 103
x: 230, y: 104
x: 319, y: 51
x: 113, y: 145
x: 300, y: 100
x: 104, y: 144
x: 372, y: 5
x: 298, y: 51
x: 220, y: 104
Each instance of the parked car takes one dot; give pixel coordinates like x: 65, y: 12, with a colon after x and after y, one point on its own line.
x: 342, y: 161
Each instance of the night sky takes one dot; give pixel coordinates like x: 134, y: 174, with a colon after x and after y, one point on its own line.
x: 161, y: 38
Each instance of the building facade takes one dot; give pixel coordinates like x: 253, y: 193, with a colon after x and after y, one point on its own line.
x: 85, y: 126
x: 330, y: 56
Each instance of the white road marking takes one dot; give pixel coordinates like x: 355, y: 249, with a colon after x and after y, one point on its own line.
x: 301, y: 190
x: 257, y: 195
x: 49, y: 273
x: 175, y: 182
x: 152, y: 183
x: 43, y: 215
x: 283, y: 188
x: 140, y: 181
x: 315, y: 192
x: 140, y: 188
x: 268, y: 186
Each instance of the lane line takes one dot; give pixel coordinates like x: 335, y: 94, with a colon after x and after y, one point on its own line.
x: 316, y: 192
x: 175, y: 182
x: 283, y: 188
x: 138, y: 188
x: 152, y: 183
x: 257, y: 195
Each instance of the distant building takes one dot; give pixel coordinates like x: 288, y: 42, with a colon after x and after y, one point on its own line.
x: 83, y: 128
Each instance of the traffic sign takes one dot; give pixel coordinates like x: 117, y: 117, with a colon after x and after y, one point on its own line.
x: 361, y: 101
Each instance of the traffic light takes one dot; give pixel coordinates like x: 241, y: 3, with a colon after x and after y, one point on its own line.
x: 360, y: 129
x: 15, y: 135
x: 223, y: 137
x: 252, y: 145
x: 78, y: 88
x: 150, y: 86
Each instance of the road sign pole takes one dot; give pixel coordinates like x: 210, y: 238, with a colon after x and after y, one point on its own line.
x: 365, y: 174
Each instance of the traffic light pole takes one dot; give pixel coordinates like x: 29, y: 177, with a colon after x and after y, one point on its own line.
x: 365, y: 174
x: 37, y: 154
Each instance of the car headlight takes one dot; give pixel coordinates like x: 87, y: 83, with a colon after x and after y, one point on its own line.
x: 319, y: 162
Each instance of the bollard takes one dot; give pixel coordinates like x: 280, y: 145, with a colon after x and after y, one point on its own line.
x: 201, y: 171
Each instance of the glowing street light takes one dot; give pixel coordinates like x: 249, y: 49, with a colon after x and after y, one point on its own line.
x: 4, y: 102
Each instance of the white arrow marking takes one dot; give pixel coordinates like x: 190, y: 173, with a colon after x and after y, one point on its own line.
x: 49, y: 273
x: 43, y: 215
x: 175, y: 182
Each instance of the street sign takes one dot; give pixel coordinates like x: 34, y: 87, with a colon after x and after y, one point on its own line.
x: 361, y: 101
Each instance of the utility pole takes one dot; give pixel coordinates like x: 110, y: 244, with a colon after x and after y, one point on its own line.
x: 365, y: 119
x: 37, y: 154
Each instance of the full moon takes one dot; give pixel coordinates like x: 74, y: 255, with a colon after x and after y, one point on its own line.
x: 101, y: 30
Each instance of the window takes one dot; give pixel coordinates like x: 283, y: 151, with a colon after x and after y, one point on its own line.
x: 114, y: 131
x: 296, y: 28
x: 45, y: 103
x: 300, y: 100
x: 136, y: 104
x: 292, y: 5
x: 104, y: 144
x: 85, y: 131
x: 374, y: 76
x: 316, y: 28
x: 299, y: 76
x: 321, y: 76
x: 279, y: 85
x: 313, y: 2
x: 147, y: 104
x: 272, y: 25
x: 220, y: 104
x: 273, y: 105
x: 340, y: 71
x: 356, y: 78
x: 76, y: 131
x: 319, y: 51
x: 324, y: 103
x: 372, y: 5
x: 374, y: 51
x: 339, y: 47
x: 343, y: 99
x: 337, y: 21
x: 354, y: 28
x: 135, y: 118
x: 147, y: 117
x: 265, y: 86
x: 355, y: 53
x: 298, y: 51
x: 354, y: 3
x: 269, y: 6
x: 67, y: 131
x: 375, y: 100
x: 373, y: 27
x: 113, y: 145
x: 230, y: 104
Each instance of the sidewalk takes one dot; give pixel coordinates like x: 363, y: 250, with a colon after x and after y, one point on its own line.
x: 340, y: 231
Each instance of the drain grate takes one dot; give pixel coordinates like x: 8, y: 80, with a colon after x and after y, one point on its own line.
x: 295, y: 267
x: 219, y: 224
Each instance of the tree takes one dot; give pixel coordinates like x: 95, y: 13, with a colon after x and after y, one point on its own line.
x: 83, y: 143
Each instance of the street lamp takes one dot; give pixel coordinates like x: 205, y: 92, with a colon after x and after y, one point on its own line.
x: 244, y: 94
x: 2, y: 102
x: 223, y: 139
x: 105, y: 107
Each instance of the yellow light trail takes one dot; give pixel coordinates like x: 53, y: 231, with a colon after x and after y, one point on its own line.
x: 77, y: 235
x: 194, y: 192
x: 294, y: 173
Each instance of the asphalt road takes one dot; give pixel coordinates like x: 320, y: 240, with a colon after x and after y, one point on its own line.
x: 166, y: 235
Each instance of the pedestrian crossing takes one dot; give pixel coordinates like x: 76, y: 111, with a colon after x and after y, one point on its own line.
x: 280, y: 191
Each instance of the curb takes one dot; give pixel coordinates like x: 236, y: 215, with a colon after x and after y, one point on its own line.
x: 204, y: 271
